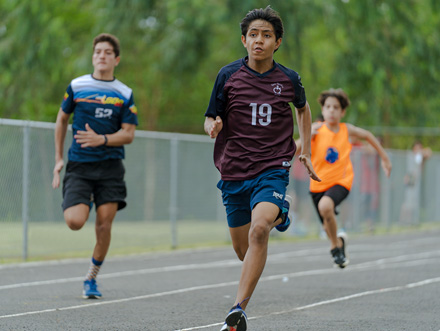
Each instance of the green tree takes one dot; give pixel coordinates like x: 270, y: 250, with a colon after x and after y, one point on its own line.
x: 383, y: 53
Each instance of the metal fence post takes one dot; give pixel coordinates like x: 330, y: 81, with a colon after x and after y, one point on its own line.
x: 25, y: 192
x: 173, y: 190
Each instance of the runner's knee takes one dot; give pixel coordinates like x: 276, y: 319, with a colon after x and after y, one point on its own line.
x: 74, y: 223
x: 76, y: 217
x: 326, y: 208
x: 259, y: 233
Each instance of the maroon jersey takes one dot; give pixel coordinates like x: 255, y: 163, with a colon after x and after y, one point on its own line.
x: 257, y: 132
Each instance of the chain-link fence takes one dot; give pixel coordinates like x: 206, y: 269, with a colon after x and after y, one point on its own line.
x: 172, y: 196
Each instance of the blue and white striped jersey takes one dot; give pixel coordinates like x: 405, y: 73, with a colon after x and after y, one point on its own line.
x: 104, y: 105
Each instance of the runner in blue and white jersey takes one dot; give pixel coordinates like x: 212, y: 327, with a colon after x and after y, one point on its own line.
x: 104, y: 120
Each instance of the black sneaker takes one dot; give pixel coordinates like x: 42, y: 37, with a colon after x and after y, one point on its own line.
x: 338, y: 257
x: 343, y: 237
x: 338, y: 253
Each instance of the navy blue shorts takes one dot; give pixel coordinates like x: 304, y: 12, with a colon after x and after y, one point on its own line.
x: 240, y: 197
x: 337, y: 193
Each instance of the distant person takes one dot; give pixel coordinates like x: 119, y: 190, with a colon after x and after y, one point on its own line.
x: 416, y: 158
x: 105, y: 119
x: 331, y: 160
x: 250, y: 117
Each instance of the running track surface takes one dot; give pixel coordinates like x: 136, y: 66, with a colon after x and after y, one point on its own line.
x: 392, y: 283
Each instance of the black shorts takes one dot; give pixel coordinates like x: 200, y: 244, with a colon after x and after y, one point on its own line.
x: 101, y: 182
x: 337, y: 193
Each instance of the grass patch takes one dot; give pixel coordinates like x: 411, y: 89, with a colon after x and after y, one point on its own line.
x: 53, y: 240
x: 50, y: 240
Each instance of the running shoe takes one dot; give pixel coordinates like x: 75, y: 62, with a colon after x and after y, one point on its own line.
x: 91, y: 290
x: 285, y: 214
x: 338, y: 253
x: 227, y: 328
x: 236, y: 320
x: 343, y: 236
x: 338, y: 257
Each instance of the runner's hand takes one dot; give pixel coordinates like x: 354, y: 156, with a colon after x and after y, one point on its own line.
x: 56, y: 173
x: 89, y: 138
x: 216, y: 127
x: 305, y: 160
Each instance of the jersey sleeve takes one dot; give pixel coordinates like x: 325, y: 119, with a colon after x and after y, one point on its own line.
x: 299, y: 101
x: 68, y: 104
x: 129, y: 114
x: 217, y: 103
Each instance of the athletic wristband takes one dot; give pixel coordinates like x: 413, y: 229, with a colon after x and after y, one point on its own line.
x: 106, y: 140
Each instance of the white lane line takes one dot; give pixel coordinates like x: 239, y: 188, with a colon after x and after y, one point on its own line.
x: 130, y: 273
x: 212, y: 286
x: 406, y: 257
x: 183, y: 267
x: 326, y: 302
x: 141, y: 297
x: 301, y: 252
x: 221, y: 264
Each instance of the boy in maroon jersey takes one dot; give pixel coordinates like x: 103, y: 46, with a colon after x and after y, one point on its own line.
x: 250, y: 117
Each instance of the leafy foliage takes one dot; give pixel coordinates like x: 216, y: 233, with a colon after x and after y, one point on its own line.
x: 383, y: 53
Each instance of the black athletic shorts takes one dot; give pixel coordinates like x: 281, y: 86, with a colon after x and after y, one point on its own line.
x: 337, y: 193
x: 101, y: 182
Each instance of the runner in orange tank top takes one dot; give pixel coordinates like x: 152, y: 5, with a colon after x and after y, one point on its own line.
x: 331, y: 161
x: 331, y: 158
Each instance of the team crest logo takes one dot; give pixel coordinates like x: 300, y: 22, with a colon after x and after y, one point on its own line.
x: 277, y: 88
x: 332, y: 155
